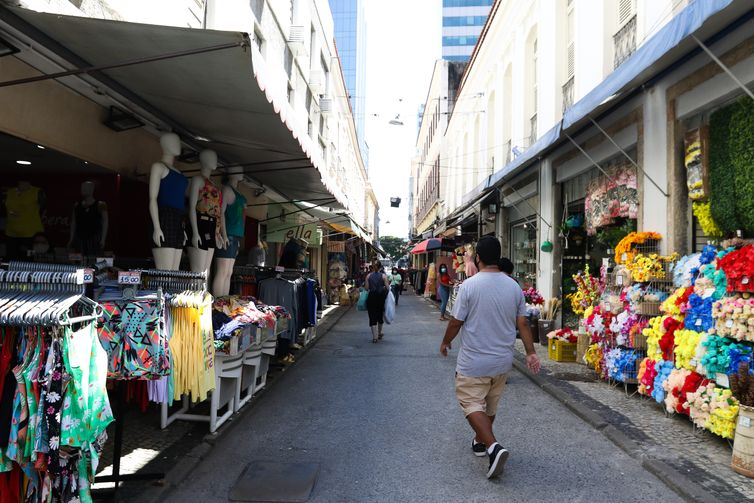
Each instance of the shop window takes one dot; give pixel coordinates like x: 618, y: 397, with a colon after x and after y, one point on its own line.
x: 524, y: 253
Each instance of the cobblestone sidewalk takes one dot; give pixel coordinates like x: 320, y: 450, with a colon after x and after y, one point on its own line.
x: 703, y: 457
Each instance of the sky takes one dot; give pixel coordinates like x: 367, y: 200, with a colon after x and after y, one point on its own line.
x: 403, y: 43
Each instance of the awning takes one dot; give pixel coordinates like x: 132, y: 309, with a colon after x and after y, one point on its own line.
x: 339, y: 221
x: 432, y: 244
x: 378, y: 249
x: 660, y: 51
x: 224, y: 96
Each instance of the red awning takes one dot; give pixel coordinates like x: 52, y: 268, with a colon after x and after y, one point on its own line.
x: 427, y: 245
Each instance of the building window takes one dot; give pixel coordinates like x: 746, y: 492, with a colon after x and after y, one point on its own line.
x: 288, y: 62
x: 459, y: 40
x: 625, y: 38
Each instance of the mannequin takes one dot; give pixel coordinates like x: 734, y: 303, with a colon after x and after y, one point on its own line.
x: 24, y: 205
x: 167, y: 206
x: 88, y: 223
x: 205, y: 215
x: 234, y: 209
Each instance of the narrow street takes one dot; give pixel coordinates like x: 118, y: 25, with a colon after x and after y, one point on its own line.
x: 383, y: 424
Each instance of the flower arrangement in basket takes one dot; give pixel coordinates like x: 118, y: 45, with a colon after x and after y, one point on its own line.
x: 734, y: 317
x: 713, y: 408
x: 644, y: 268
x: 534, y: 302
x: 588, y: 292
x: 564, y: 334
x: 626, y: 248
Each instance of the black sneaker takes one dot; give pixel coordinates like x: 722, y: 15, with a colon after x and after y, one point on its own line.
x: 497, y: 461
x: 478, y: 448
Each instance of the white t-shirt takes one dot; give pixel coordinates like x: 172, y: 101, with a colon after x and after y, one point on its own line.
x: 488, y: 303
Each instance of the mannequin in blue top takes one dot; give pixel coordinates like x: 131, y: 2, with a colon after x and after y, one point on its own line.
x: 167, y: 205
x: 234, y: 210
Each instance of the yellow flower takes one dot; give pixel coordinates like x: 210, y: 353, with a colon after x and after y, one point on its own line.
x: 703, y: 213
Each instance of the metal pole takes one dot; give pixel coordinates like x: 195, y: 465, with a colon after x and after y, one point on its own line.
x: 130, y: 62
x: 723, y: 66
x: 590, y: 158
x: 529, y: 205
x: 610, y: 138
x: 294, y: 201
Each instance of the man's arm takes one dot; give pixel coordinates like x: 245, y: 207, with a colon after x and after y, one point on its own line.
x: 454, y: 326
x: 532, y: 360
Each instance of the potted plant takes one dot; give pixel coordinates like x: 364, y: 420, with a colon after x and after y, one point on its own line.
x: 742, y: 386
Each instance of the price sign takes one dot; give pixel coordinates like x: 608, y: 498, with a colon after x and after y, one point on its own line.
x: 722, y: 380
x: 619, y: 280
x: 624, y: 257
x: 698, y: 322
x: 708, y: 292
x: 745, y: 280
x: 729, y: 323
x: 744, y: 421
x: 129, y: 277
x: 87, y: 276
x: 279, y: 269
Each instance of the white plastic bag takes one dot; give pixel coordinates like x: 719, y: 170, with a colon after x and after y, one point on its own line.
x: 389, y: 314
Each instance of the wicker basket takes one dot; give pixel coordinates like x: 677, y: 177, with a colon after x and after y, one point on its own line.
x: 581, y: 346
x: 648, y: 308
x: 560, y: 351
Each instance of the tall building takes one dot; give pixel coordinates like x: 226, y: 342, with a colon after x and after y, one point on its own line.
x: 462, y: 22
x: 350, y: 39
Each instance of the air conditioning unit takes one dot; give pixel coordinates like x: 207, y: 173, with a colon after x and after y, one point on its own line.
x: 296, y: 39
x: 325, y: 105
x: 317, y: 81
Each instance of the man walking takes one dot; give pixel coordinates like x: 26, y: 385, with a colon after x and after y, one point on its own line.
x: 489, y: 307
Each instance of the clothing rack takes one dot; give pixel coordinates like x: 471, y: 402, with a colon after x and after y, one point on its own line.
x: 173, y: 281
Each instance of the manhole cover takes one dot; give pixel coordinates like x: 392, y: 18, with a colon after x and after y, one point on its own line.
x: 269, y: 481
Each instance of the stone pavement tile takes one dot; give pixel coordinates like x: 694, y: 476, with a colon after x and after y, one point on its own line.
x: 383, y: 423
x: 673, y: 440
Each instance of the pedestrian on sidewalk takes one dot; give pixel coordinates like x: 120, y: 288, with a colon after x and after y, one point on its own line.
x: 377, y: 285
x: 444, y: 280
x: 396, y: 283
x: 487, y: 311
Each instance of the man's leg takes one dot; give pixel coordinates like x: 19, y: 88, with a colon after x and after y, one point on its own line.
x: 482, y: 425
x: 492, y: 421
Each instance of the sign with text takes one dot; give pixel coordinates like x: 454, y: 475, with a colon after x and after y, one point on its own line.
x: 129, y: 277
x: 283, y: 231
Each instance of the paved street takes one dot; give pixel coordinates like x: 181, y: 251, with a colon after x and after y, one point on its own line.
x: 383, y: 423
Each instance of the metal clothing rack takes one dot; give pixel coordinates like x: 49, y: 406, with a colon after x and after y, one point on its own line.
x: 173, y: 281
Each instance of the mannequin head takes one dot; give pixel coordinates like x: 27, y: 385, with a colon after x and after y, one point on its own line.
x: 87, y: 189
x: 233, y: 177
x: 208, y: 159
x: 171, y: 144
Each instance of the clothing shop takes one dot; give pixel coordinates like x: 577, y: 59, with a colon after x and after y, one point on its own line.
x: 133, y: 165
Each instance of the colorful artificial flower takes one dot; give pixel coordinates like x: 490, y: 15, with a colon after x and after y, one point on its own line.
x: 624, y: 251
x: 686, y: 342
x: 738, y: 266
x: 593, y: 357
x: 703, y: 213
x: 564, y: 334
x: 532, y: 296
x: 588, y: 292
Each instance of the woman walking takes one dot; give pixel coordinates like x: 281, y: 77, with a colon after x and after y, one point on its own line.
x: 444, y: 281
x: 377, y: 285
x: 396, y: 283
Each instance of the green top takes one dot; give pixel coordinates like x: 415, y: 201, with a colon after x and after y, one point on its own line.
x: 395, y: 279
x: 234, y: 216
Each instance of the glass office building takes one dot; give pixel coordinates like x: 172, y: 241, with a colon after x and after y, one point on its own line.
x: 462, y: 22
x: 350, y: 38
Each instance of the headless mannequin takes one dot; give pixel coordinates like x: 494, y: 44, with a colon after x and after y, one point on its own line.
x: 224, y: 266
x: 167, y: 258
x: 201, y: 259
x: 86, y: 243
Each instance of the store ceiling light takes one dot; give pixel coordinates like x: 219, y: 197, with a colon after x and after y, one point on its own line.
x: 24, y: 163
x: 118, y: 120
x: 201, y: 138
x: 6, y: 49
x: 40, y: 146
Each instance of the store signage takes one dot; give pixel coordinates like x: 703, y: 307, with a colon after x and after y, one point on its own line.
x: 282, y: 232
x: 129, y: 277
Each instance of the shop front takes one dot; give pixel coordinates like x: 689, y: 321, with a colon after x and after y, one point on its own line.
x: 111, y: 151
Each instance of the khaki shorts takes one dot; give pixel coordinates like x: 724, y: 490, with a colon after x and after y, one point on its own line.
x: 480, y: 394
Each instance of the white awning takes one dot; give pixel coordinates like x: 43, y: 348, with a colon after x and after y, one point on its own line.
x: 223, y: 95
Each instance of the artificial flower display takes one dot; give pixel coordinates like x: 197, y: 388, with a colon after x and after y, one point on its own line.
x: 675, y: 304
x: 723, y: 413
x: 645, y: 268
x: 621, y: 364
x: 647, y: 378
x: 588, y: 292
x: 564, y: 334
x: 699, y: 313
x: 625, y: 251
x: 663, y: 369
x: 610, y: 197
x: 698, y: 404
x: 682, y: 272
x: 532, y: 296
x: 735, y: 317
x: 715, y: 282
x: 703, y: 213
x: 673, y: 385
x: 636, y: 332
x: 593, y: 357
x: 718, y: 356
x: 738, y: 266
x: 686, y: 342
